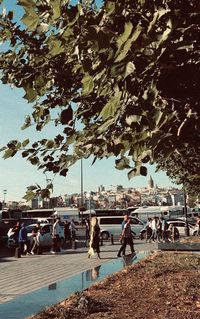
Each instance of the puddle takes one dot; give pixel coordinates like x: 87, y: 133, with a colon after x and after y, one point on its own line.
x: 33, y: 302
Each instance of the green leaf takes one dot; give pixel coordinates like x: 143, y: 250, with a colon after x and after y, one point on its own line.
x: 29, y: 195
x: 143, y: 171
x: 25, y: 142
x: 88, y: 84
x: 133, y: 119
x: 124, y: 36
x: 9, y: 153
x: 64, y: 172
x: 66, y: 116
x: 122, y: 163
x: 128, y: 44
x: 30, y: 19
x: 32, y: 188
x: 110, y: 108
x: 55, y: 46
x: 27, y: 3
x: 31, y: 94
x: 132, y: 173
x: 130, y: 68
x: 50, y: 144
x: 137, y: 171
x: 45, y: 193
x: 110, y: 7
x: 56, y: 7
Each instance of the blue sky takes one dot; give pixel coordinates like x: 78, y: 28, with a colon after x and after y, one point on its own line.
x: 16, y: 174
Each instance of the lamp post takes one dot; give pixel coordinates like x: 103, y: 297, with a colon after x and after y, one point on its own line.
x: 82, y: 208
x: 4, y: 197
x: 88, y: 195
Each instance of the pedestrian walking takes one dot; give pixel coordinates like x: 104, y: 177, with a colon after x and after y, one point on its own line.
x: 159, y: 231
x: 164, y: 227
x: 56, y: 236
x: 148, y: 229
x: 126, y: 237
x: 73, y: 230
x: 36, y: 239
x: 87, y: 229
x: 67, y: 231
x: 14, y: 232
x: 24, y: 242
x: 94, y: 244
x: 154, y: 229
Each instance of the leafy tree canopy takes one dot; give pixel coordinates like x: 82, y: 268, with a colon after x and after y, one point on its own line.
x: 124, y: 80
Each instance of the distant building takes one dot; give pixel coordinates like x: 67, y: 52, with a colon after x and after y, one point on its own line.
x: 101, y: 188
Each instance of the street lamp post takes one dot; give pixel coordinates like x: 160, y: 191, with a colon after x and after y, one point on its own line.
x: 82, y: 208
x: 4, y: 198
x: 88, y: 195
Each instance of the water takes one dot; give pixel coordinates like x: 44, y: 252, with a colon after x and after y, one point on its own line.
x: 33, y: 302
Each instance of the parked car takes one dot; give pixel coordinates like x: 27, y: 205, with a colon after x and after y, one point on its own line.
x: 46, y: 235
x: 112, y: 225
x: 180, y: 225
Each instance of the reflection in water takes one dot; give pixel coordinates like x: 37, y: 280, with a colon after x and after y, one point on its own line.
x: 128, y: 260
x: 93, y: 274
x: 33, y: 302
x: 52, y: 286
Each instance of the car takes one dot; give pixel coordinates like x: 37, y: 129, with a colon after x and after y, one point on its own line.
x: 46, y: 235
x: 180, y: 225
x: 112, y: 225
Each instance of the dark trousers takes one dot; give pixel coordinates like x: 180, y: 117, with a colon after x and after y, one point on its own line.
x: 21, y: 246
x: 56, y: 243
x: 126, y: 241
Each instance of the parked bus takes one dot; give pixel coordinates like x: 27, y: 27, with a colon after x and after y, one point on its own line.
x: 39, y: 212
x: 110, y: 212
x: 167, y: 212
x: 51, y: 213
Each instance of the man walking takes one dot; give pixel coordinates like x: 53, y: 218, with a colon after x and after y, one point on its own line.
x: 56, y: 234
x: 126, y: 237
x: 24, y: 241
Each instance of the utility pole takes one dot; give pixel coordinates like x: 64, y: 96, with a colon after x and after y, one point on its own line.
x: 81, y: 210
x: 4, y: 197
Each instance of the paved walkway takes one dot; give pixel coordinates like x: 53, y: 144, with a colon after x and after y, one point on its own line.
x: 20, y: 276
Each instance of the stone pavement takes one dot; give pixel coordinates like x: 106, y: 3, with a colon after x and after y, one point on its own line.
x: 29, y: 273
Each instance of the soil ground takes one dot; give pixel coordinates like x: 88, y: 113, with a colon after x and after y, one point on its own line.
x: 162, y: 286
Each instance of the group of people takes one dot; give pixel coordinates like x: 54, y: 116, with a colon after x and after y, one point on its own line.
x: 20, y: 236
x: 59, y: 231
x: 125, y: 239
x: 157, y: 229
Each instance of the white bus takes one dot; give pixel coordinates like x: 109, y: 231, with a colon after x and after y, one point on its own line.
x: 62, y: 212
x: 143, y: 213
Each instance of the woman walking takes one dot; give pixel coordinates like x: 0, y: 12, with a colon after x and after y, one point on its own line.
x: 94, y: 238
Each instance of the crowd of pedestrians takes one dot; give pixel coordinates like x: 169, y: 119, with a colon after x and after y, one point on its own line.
x: 29, y: 245
x: 158, y: 230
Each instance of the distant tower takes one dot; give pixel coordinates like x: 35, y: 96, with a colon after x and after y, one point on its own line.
x: 151, y: 182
